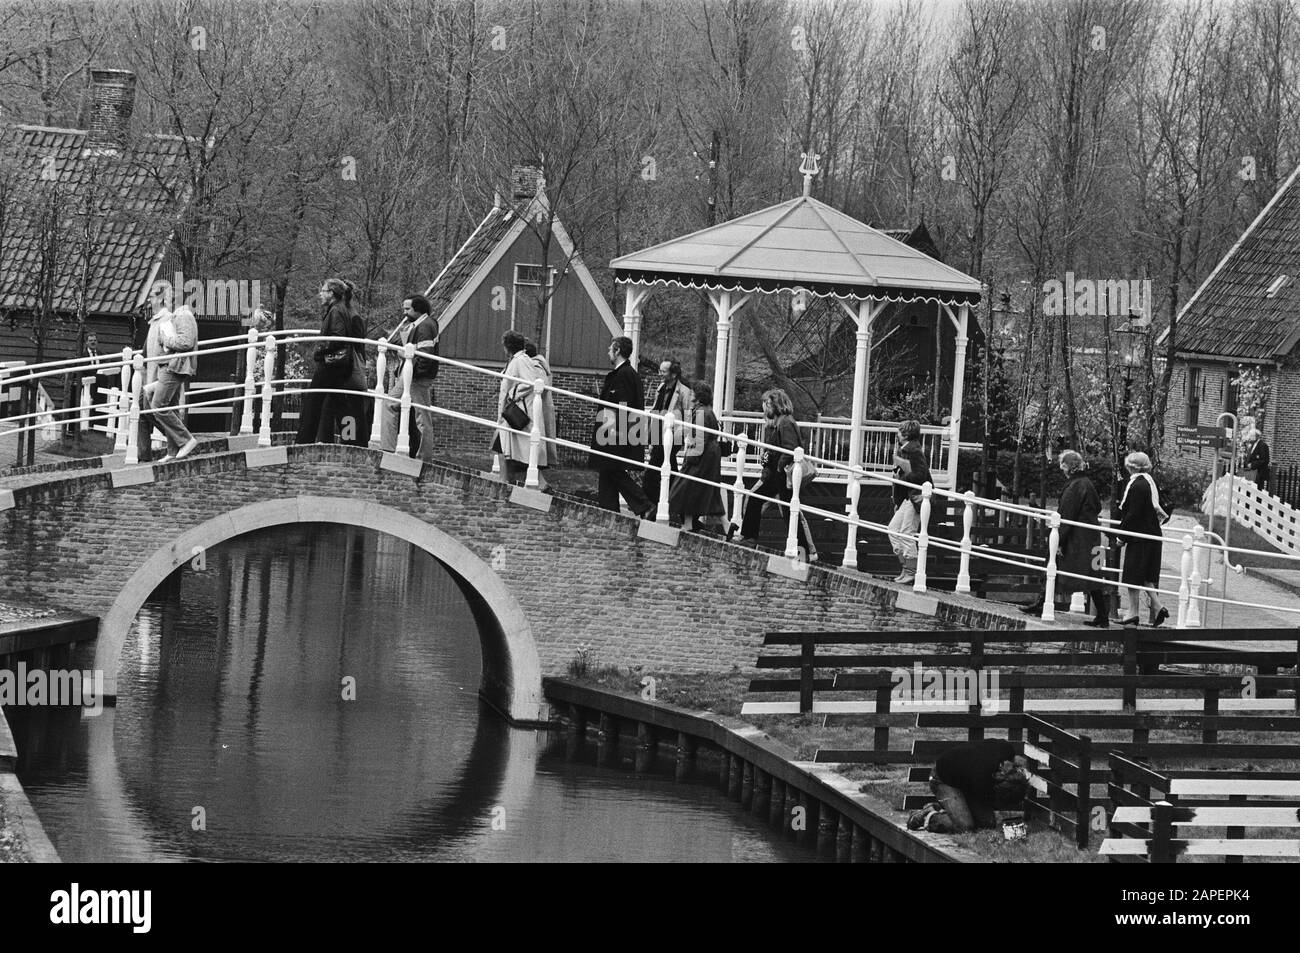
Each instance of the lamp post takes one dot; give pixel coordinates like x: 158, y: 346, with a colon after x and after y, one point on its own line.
x: 1131, y: 335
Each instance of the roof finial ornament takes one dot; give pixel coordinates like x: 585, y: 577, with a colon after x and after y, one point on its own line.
x: 808, y: 166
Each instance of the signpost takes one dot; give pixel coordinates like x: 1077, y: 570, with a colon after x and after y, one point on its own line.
x: 1201, y: 438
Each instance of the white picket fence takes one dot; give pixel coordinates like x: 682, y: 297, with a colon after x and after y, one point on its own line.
x: 1257, y: 510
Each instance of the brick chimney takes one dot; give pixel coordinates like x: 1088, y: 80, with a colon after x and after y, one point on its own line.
x: 112, y: 100
x: 525, y: 181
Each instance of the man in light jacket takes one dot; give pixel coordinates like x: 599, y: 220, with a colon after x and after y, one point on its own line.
x: 170, y: 332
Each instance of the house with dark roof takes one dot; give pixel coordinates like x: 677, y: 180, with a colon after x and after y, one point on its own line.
x: 494, y: 284
x: 1243, y: 319
x: 87, y: 226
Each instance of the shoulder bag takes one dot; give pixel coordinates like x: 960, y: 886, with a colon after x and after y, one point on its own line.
x: 514, y: 414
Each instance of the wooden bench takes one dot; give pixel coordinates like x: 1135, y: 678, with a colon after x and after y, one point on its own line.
x: 1142, y: 829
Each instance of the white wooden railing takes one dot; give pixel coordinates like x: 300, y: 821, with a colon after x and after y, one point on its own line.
x: 828, y: 438
x: 1256, y: 509
x: 263, y: 348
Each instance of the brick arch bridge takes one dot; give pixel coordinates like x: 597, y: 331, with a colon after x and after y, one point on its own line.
x: 546, y: 576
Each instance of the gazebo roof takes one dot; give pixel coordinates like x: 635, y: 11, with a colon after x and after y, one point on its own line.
x: 802, y: 243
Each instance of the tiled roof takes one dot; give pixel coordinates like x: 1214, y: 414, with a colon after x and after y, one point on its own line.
x: 469, y: 258
x: 1232, y: 314
x: 140, y: 195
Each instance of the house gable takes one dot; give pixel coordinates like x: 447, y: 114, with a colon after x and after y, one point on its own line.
x: 475, y: 298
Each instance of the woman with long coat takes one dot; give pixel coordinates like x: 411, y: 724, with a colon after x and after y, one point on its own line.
x: 513, y: 444
x: 702, y: 458
x: 1079, y: 546
x: 1140, y: 512
x: 544, y: 377
x: 338, y: 367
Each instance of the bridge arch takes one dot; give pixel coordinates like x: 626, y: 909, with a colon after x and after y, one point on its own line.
x: 512, y: 673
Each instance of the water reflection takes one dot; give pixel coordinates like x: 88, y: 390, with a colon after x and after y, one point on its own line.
x: 311, y: 695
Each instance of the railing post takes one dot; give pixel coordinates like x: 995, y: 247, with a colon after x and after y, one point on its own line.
x: 967, y: 523
x: 923, y: 537
x: 133, y: 415
x: 1194, y: 601
x: 850, y: 560
x: 381, y: 391
x: 120, y: 421
x: 250, y: 384
x: 1184, y: 572
x: 268, y: 375
x: 1162, y: 833
x: 86, y: 384
x: 738, y: 489
x: 792, y: 534
x: 404, y: 425
x: 532, y: 479
x: 1049, y: 590
x: 665, y: 468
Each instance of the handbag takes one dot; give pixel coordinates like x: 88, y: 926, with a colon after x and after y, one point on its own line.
x: 806, y: 471
x: 515, y: 416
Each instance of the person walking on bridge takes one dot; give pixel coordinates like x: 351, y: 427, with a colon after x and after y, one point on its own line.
x: 515, y: 400
x: 615, y: 435
x: 419, y: 329
x: 1140, y: 512
x: 672, y: 395
x: 911, y: 465
x: 169, y: 333
x: 337, y: 368
x: 780, y: 430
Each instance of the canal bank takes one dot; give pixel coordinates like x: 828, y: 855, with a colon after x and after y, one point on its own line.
x: 38, y: 638
x: 806, y: 802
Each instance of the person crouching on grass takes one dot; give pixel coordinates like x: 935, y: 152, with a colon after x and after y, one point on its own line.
x: 971, y: 782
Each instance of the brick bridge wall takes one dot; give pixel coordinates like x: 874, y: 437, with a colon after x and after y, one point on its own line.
x: 581, y: 576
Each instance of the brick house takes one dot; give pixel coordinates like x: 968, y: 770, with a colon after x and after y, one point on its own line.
x: 493, y: 284
x: 1245, y: 317
x: 88, y: 222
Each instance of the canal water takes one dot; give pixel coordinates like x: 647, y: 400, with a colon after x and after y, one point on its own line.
x: 310, y: 694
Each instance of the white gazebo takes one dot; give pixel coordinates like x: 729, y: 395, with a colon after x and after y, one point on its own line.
x: 806, y: 246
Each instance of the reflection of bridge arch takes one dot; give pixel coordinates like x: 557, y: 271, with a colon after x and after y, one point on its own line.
x: 498, y: 772
x: 512, y: 675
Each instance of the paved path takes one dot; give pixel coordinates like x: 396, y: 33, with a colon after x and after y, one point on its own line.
x: 1251, y: 586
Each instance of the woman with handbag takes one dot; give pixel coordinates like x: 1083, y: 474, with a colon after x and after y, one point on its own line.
x: 779, y: 429
x: 910, y: 465
x: 514, y: 411
x: 337, y: 368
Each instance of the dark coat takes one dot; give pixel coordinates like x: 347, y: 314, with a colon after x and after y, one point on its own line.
x: 1079, y: 502
x: 614, y: 432
x: 1258, y: 461
x: 1138, y: 515
x: 919, y: 473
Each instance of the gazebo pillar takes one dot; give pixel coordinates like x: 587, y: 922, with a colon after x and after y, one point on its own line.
x: 724, y: 370
x: 864, y: 316
x: 733, y: 359
x: 633, y: 298
x: 958, y: 385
